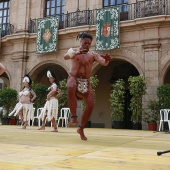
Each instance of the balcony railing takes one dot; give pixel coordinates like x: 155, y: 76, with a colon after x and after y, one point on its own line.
x: 127, y: 12
x: 150, y: 8
x: 79, y: 18
x: 139, y: 9
x: 7, y: 29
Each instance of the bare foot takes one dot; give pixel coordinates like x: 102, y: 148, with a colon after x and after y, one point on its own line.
x: 55, y: 130
x: 81, y: 132
x: 73, y: 121
x: 23, y: 127
x: 41, y: 128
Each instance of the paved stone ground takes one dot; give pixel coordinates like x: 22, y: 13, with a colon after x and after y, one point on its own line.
x: 106, y: 149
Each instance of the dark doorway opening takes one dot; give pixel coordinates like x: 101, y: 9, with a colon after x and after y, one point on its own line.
x: 40, y: 74
x: 123, y: 70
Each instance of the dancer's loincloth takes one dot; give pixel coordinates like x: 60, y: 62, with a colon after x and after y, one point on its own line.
x: 82, y: 85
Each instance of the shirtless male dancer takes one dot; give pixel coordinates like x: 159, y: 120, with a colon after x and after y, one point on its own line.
x: 78, y: 82
x: 2, y: 69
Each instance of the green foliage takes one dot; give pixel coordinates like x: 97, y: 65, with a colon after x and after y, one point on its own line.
x: 151, y: 115
x: 163, y: 93
x: 8, y: 99
x: 94, y: 81
x: 117, y: 100
x: 137, y: 87
x: 63, y: 99
x: 41, y: 92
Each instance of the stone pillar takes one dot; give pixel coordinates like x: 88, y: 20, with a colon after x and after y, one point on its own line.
x: 20, y: 17
x: 23, y: 13
x: 151, y: 73
x: 19, y: 59
x: 151, y: 60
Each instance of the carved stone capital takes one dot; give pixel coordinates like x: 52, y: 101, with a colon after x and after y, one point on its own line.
x: 19, y: 58
x: 151, y: 47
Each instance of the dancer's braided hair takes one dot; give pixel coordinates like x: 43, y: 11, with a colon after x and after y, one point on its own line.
x: 84, y: 35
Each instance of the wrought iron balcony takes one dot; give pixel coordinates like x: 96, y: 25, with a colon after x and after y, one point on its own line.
x: 150, y: 8
x: 7, y: 29
x: 79, y: 18
x: 127, y: 12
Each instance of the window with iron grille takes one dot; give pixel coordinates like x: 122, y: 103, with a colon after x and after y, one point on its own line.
x: 123, y: 7
x: 4, y: 13
x: 55, y: 7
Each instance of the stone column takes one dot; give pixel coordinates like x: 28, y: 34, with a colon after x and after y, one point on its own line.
x: 20, y: 10
x: 151, y: 72
x: 19, y: 59
x: 151, y: 57
x: 23, y: 15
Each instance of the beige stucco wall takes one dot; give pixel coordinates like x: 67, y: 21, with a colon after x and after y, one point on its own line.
x: 145, y: 43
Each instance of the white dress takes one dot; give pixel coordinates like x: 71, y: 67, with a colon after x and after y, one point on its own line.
x: 26, y: 107
x: 51, y: 106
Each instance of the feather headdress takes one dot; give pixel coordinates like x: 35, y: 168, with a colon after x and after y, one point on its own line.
x: 27, y: 79
x: 49, y: 74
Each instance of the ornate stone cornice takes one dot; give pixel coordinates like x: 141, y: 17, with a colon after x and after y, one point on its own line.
x: 19, y: 58
x: 151, y: 47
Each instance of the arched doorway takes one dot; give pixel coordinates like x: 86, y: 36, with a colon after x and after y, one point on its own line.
x: 4, y: 81
x: 117, y: 69
x: 167, y: 76
x: 39, y: 75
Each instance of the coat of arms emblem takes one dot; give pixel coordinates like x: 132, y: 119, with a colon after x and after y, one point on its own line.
x: 106, y: 29
x: 47, y: 35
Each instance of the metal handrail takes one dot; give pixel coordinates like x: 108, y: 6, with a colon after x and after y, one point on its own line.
x: 7, y: 29
x: 127, y: 12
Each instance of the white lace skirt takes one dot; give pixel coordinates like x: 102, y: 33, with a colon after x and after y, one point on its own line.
x: 50, y: 109
x: 27, y: 111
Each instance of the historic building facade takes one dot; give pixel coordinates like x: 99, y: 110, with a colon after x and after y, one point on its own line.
x: 144, y: 45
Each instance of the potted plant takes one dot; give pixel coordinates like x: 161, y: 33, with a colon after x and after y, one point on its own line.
x: 117, y: 103
x: 137, y: 88
x: 41, y: 92
x: 8, y: 99
x: 63, y: 99
x: 151, y: 114
x: 163, y: 94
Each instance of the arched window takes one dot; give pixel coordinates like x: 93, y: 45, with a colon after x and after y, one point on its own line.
x: 55, y: 7
x: 123, y: 7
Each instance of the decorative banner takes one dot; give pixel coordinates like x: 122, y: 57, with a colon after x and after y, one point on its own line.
x: 47, y: 34
x: 107, y: 28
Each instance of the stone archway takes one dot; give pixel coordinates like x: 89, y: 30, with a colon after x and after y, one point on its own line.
x: 39, y: 74
x: 167, y: 76
x: 117, y: 69
x: 164, y: 76
x: 4, y: 81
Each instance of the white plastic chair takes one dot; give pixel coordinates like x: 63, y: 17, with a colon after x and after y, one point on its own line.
x: 29, y: 122
x: 64, y: 116
x: 39, y: 110
x: 164, y: 118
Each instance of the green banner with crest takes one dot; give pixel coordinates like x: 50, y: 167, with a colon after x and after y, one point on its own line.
x: 47, y: 34
x: 107, y: 28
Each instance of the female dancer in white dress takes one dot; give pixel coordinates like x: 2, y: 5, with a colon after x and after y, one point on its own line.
x: 50, y: 110
x: 24, y: 108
